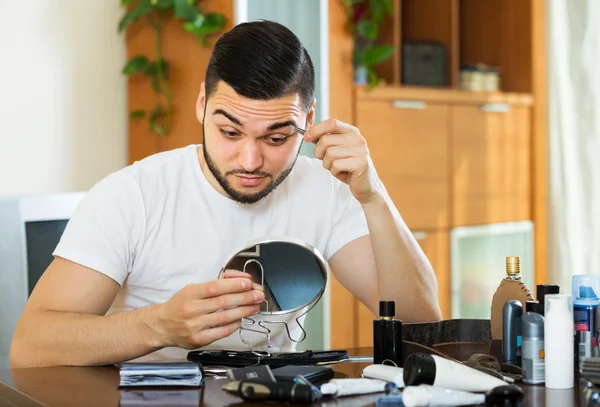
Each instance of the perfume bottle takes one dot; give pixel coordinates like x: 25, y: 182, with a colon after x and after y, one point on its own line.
x: 387, y: 335
x: 510, y: 288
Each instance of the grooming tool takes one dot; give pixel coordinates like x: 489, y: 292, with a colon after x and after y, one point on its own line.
x: 261, y: 373
x: 298, y: 129
x: 286, y: 392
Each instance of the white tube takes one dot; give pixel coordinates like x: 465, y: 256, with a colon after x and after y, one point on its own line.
x: 350, y: 387
x: 428, y: 396
x: 441, y: 372
x: 385, y: 373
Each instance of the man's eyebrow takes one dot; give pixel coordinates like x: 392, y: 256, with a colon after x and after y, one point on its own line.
x: 279, y: 125
x: 229, y: 116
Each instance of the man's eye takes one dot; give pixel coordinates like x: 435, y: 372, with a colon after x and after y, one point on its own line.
x: 231, y: 134
x: 276, y: 140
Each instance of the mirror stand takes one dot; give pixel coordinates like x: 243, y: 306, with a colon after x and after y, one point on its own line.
x: 247, y: 323
x: 267, y: 331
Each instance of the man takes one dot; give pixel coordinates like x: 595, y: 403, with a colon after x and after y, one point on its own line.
x: 135, y: 272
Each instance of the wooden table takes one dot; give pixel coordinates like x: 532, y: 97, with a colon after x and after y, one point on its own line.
x: 97, y: 386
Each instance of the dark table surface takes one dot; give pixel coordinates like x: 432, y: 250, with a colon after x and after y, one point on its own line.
x: 97, y: 386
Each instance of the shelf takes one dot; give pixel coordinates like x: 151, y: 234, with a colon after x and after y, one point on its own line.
x: 496, y: 33
x: 443, y: 95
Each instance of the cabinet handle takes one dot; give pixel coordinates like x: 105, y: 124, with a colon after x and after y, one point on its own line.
x: 409, y: 104
x: 420, y: 235
x: 496, y: 107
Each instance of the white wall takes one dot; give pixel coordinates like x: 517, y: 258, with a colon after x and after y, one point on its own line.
x: 63, y: 118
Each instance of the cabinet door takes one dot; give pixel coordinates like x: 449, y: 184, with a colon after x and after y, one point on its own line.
x: 491, y: 164
x: 436, y: 246
x: 408, y: 142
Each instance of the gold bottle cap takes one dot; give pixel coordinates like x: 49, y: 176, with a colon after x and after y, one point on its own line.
x: 513, y: 265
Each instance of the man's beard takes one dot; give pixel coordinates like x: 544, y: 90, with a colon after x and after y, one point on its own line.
x: 233, y: 193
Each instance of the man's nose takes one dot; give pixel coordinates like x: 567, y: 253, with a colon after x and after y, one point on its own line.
x: 250, y: 157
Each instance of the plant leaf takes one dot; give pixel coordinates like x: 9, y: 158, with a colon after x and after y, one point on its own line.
x: 186, y: 9
x: 194, y: 27
x: 213, y: 22
x: 373, y: 79
x: 387, y: 6
x: 378, y: 54
x: 204, y: 25
x: 157, y: 67
x: 379, y: 8
x: 367, y: 29
x: 157, y: 128
x: 162, y: 4
x: 157, y: 113
x: 136, y: 64
x: 136, y: 114
x: 144, y: 7
x: 125, y: 3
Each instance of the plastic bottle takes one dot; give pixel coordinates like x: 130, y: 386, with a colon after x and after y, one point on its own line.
x: 511, y: 287
x: 558, y: 341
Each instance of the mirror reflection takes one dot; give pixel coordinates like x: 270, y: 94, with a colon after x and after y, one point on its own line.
x: 293, y: 274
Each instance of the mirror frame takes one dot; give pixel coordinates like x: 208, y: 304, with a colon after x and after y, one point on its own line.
x: 320, y: 259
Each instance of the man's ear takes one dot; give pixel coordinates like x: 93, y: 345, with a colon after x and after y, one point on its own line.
x: 201, y: 103
x: 310, y: 118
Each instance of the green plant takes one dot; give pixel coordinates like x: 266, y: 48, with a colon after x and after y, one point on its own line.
x: 156, y: 12
x: 365, y: 18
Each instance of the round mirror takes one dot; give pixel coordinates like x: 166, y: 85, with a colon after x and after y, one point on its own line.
x: 292, y: 273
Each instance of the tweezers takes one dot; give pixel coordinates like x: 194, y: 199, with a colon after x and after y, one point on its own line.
x: 298, y: 129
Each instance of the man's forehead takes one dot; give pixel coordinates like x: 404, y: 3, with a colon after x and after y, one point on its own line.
x: 226, y: 97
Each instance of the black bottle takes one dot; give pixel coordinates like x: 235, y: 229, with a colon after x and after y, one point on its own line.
x: 387, y: 336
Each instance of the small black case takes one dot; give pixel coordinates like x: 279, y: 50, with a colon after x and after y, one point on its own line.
x: 231, y: 358
x: 314, y: 374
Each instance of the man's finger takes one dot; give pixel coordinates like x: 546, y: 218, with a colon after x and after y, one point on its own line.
x: 345, y: 165
x: 208, y: 305
x: 228, y: 316
x: 340, y: 152
x: 330, y: 140
x: 219, y: 287
x: 235, y: 274
x: 328, y: 126
x: 241, y: 274
x: 208, y: 336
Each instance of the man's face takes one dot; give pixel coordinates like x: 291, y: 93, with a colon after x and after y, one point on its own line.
x: 249, y: 146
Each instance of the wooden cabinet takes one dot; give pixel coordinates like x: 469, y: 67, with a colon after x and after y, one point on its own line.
x: 409, y: 144
x: 436, y: 246
x: 491, y: 163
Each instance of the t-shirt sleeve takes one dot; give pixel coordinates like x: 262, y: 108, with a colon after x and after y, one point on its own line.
x: 107, y: 227
x: 349, y: 221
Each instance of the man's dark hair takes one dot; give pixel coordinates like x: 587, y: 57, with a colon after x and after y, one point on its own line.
x: 262, y: 60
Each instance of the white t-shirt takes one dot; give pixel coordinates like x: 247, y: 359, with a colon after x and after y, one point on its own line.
x: 158, y: 225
